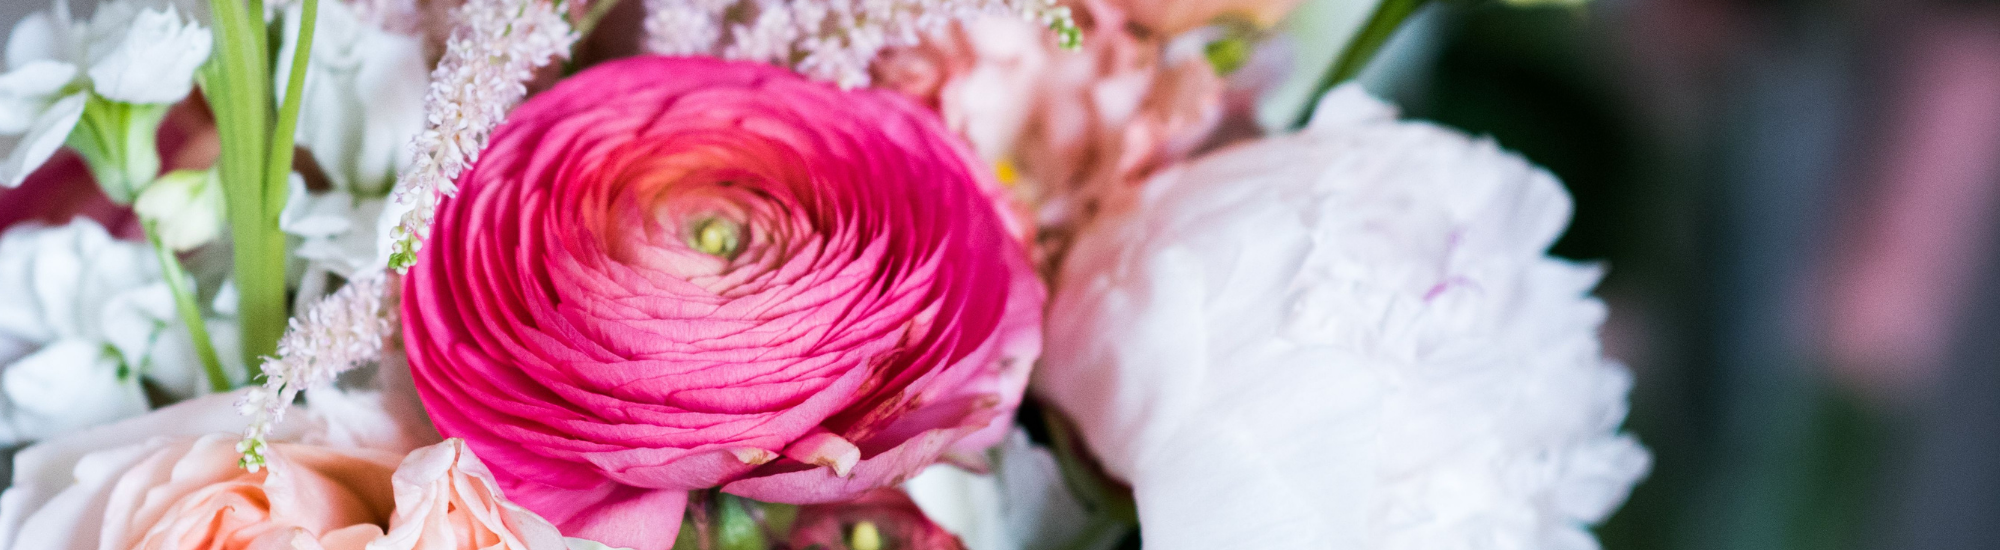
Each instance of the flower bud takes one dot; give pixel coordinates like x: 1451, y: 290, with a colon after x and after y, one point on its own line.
x: 184, y: 207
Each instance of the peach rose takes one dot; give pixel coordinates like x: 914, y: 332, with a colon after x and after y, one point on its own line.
x: 187, y: 493
x: 446, y: 499
x: 170, y: 480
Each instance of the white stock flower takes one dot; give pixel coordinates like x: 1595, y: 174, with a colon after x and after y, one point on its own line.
x: 82, y: 316
x: 363, y: 104
x: 364, y: 97
x: 339, y: 233
x: 131, y: 51
x: 1346, y: 338
x: 148, y: 56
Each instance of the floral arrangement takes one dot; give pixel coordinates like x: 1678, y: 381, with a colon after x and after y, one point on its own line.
x: 740, y: 274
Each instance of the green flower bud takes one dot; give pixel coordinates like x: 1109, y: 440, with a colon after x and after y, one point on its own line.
x: 184, y: 207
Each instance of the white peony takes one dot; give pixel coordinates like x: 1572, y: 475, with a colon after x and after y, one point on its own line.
x: 82, y: 317
x: 131, y: 51
x: 1345, y: 338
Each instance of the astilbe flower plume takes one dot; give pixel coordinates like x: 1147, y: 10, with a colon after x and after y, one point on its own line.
x: 497, y: 46
x: 494, y: 50
x: 345, y: 329
x: 834, y: 40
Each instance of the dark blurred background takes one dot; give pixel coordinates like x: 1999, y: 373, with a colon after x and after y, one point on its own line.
x: 1798, y: 203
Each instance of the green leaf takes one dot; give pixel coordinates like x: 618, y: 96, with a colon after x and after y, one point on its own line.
x: 1382, y: 24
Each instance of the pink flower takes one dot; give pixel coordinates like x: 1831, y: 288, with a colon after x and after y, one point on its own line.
x: 169, y: 480
x: 447, y: 500
x: 189, y: 493
x: 668, y: 274
x: 1171, y: 18
x: 1077, y: 124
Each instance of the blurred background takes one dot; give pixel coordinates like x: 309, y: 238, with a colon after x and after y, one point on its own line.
x: 1797, y: 200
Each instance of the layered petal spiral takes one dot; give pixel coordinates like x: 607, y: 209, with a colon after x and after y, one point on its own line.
x: 669, y: 274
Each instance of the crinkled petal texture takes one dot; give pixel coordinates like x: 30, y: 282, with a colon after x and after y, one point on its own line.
x: 1345, y: 338
x: 668, y: 274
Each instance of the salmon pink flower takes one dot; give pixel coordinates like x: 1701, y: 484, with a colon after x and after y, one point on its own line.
x: 669, y: 274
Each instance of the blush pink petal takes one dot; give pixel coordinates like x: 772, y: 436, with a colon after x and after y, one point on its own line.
x: 447, y: 500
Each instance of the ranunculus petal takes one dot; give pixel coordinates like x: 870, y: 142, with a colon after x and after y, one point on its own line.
x: 729, y: 277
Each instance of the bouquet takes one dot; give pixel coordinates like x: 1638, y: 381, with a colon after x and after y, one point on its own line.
x: 739, y: 274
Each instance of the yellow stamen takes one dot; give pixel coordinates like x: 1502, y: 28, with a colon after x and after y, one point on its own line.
x: 717, y: 237
x: 865, y: 537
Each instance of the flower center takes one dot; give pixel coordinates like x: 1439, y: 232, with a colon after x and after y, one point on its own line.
x: 717, y: 236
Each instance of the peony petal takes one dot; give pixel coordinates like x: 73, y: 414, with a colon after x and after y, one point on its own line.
x: 1392, y: 274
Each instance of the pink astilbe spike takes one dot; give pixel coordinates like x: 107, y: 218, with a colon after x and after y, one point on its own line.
x: 345, y: 329
x: 494, y: 50
x: 832, y: 40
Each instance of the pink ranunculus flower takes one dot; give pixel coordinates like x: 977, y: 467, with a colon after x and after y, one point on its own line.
x: 668, y: 274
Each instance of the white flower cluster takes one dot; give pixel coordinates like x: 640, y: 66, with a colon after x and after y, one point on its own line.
x: 1357, y: 329
x: 83, y: 317
x: 363, y: 103
x: 344, y: 330
x: 834, y: 40
x: 131, y: 51
x: 492, y: 53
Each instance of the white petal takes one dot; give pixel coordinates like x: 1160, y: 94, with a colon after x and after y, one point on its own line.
x: 225, y: 299
x: 133, y: 320
x: 43, y: 138
x: 586, y: 544
x: 1023, y: 503
x: 363, y: 100
x: 68, y: 385
x: 28, y: 90
x: 154, y: 61
x: 37, y: 37
x: 1349, y: 337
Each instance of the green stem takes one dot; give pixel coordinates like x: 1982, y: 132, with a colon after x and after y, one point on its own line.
x: 238, y: 84
x: 170, y: 266
x: 282, y: 139
x: 598, y: 9
x: 1382, y: 24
